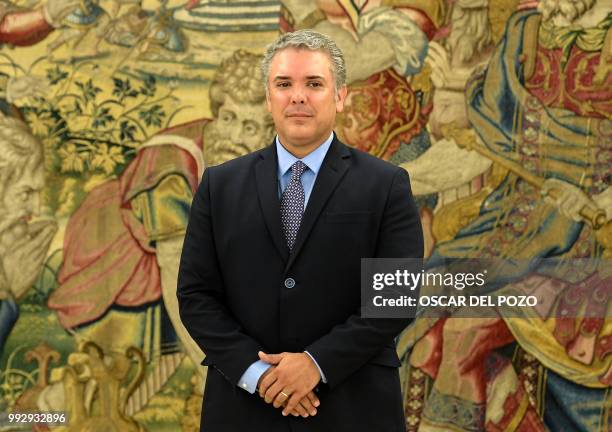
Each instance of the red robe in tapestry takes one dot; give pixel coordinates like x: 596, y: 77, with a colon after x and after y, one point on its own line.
x: 22, y: 27
x: 109, y: 255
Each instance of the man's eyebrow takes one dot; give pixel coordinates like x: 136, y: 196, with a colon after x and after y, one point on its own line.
x: 310, y: 77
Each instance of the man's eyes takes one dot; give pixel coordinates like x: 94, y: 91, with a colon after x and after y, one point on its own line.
x: 24, y: 195
x: 227, y: 117
x: 250, y: 128
x: 284, y: 84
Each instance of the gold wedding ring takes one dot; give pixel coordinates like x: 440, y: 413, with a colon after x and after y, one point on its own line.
x: 285, y: 394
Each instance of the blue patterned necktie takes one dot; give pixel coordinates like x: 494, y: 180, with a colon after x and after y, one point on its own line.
x: 292, y: 203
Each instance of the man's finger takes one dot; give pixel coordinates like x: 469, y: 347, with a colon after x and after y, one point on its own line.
x: 550, y: 201
x: 565, y: 206
x: 294, y: 400
x: 314, y: 400
x: 574, y: 210
x: 300, y: 410
x: 280, y: 399
x: 308, y: 406
x: 546, y: 187
x: 266, y: 382
x: 436, y: 48
x: 40, y: 242
x: 271, y: 358
x: 36, y: 227
x: 273, y: 391
x: 37, y: 257
x: 439, y: 55
x: 435, y: 59
x: 43, y: 236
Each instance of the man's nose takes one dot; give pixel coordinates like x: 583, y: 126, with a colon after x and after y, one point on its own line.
x: 33, y: 206
x: 298, y: 96
x: 236, y: 135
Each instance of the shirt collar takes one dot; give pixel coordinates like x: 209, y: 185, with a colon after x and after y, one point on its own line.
x: 313, y: 160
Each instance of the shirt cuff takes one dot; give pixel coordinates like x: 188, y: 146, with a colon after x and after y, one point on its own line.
x: 323, y: 379
x: 248, y: 381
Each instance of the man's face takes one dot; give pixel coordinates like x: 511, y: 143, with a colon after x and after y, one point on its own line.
x: 21, y: 200
x: 301, y: 97
x: 240, y: 128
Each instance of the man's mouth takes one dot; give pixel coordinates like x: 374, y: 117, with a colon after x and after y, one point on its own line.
x: 299, y: 115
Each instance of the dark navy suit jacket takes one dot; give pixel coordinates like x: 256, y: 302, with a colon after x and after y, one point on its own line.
x: 241, y: 291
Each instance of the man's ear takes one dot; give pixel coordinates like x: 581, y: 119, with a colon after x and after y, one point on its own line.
x: 340, y: 97
x: 270, y: 133
x: 268, y: 104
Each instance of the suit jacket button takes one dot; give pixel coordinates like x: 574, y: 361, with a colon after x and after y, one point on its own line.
x: 289, y: 283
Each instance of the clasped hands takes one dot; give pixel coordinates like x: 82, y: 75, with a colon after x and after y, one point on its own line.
x: 289, y: 383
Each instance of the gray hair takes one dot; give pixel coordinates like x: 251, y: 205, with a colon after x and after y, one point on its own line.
x: 311, y: 40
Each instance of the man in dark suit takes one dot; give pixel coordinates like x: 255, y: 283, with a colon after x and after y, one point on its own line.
x: 269, y: 281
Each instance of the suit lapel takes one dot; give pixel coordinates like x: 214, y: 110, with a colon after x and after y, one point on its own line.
x: 267, y: 187
x: 335, y: 165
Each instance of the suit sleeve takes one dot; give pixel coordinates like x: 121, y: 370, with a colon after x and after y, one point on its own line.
x: 351, y: 344
x: 201, y: 295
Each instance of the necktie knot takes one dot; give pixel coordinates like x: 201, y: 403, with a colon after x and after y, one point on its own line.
x: 298, y: 168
